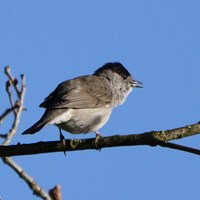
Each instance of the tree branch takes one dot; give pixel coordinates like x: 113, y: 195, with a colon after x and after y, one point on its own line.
x: 153, y: 138
x: 12, y: 81
x: 17, y: 112
x: 180, y: 147
x: 37, y: 190
x: 6, y: 113
x: 17, y: 109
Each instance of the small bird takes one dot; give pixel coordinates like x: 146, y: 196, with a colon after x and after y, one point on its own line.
x: 84, y: 104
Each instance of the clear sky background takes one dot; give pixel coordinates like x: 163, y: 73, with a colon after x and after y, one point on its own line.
x: 159, y: 43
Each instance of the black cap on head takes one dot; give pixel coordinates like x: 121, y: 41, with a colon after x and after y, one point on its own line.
x: 115, y: 67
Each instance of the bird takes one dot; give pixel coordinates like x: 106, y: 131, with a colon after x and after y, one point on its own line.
x: 85, y: 103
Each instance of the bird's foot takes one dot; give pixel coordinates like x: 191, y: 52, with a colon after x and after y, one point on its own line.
x: 97, y: 138
x: 62, y: 139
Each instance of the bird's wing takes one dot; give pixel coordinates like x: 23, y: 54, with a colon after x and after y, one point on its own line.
x: 81, y: 92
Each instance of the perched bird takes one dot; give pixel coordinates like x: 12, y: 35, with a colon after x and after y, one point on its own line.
x: 84, y: 104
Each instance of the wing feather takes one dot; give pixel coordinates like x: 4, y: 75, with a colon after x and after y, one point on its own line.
x: 77, y: 93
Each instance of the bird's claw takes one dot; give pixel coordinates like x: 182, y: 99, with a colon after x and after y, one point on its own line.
x: 62, y: 139
x: 97, y: 138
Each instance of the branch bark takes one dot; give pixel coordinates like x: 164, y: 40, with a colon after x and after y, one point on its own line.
x: 153, y: 138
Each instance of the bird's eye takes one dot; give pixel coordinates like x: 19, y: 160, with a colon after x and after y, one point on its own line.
x: 124, y: 76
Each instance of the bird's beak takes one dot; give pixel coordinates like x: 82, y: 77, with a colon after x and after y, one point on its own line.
x: 137, y: 84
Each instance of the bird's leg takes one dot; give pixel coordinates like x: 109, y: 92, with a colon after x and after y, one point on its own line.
x: 98, y: 136
x: 62, y: 139
x: 61, y: 135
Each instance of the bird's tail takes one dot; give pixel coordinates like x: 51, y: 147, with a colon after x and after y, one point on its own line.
x: 35, y: 128
x: 39, y: 124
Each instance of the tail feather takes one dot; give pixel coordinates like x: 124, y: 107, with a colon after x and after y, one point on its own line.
x: 35, y: 128
x: 47, y: 117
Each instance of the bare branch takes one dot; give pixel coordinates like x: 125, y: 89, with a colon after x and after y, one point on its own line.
x: 153, y: 138
x: 179, y: 147
x: 37, y: 190
x: 17, y: 113
x: 8, y: 85
x: 17, y: 110
x: 177, y: 133
x: 12, y: 80
x: 6, y: 113
x: 3, y: 136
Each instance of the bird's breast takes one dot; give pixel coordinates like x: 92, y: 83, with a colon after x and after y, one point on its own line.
x: 84, y: 120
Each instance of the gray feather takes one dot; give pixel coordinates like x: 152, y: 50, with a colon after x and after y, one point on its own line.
x: 77, y: 93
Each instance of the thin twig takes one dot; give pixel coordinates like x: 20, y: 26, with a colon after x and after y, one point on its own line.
x: 179, y: 147
x: 37, y: 190
x: 7, y: 112
x: 18, y: 114
x: 10, y: 97
x: 3, y: 136
x: 13, y: 80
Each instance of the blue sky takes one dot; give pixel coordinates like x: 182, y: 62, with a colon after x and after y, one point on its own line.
x: 158, y: 41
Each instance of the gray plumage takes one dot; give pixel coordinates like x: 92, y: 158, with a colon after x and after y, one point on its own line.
x: 84, y: 104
